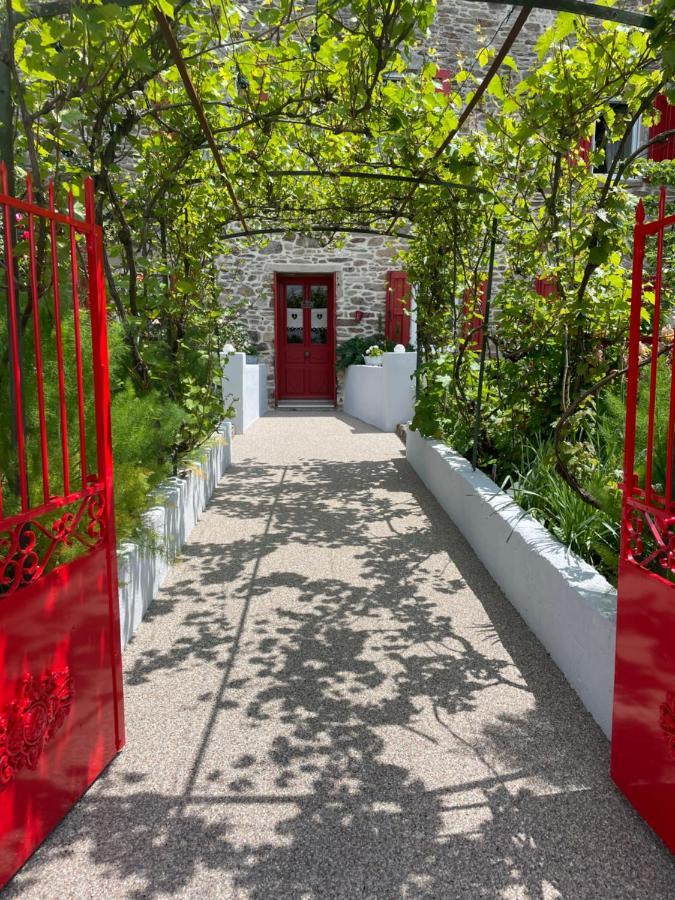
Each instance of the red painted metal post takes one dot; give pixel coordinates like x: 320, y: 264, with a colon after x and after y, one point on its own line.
x: 39, y: 372
x: 670, y: 460
x: 98, y: 313
x: 78, y: 341
x: 14, y: 345
x: 634, y: 350
x: 59, y: 345
x: 656, y: 333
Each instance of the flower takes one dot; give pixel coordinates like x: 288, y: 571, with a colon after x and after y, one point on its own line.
x: 667, y: 334
x: 374, y: 351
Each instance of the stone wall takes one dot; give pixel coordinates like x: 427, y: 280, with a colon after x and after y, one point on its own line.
x: 461, y: 27
x: 360, y: 263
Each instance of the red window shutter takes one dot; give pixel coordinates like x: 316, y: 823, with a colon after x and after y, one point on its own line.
x: 397, y: 320
x: 664, y: 149
x: 443, y: 77
x: 546, y: 286
x: 473, y: 315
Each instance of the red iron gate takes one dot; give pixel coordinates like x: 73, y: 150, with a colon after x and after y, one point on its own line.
x: 61, y: 707
x: 643, y: 728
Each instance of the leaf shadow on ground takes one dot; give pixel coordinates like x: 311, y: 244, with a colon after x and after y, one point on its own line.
x: 401, y: 742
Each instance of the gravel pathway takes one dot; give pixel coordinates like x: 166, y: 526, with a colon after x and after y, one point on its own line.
x: 331, y: 698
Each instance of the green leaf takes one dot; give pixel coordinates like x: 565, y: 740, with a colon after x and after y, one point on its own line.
x: 496, y: 88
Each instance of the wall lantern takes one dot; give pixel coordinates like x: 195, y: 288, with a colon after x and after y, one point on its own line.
x: 358, y: 315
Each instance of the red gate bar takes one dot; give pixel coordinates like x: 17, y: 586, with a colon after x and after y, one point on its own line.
x: 99, y: 335
x: 59, y: 345
x: 14, y: 341
x: 78, y: 340
x: 655, y: 349
x: 38, y: 348
x: 634, y: 350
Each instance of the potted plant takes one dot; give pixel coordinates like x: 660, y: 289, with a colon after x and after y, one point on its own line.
x: 373, y: 355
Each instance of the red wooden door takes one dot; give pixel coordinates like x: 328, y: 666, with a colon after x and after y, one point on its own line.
x: 61, y: 707
x: 397, y: 319
x: 305, y: 337
x: 643, y: 723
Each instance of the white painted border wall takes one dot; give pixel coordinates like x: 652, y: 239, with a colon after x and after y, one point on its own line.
x: 142, y: 569
x: 383, y: 396
x: 245, y: 386
x: 568, y: 605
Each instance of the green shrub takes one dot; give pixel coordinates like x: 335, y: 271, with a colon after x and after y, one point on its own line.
x: 595, y: 533
x: 591, y: 533
x: 352, y: 352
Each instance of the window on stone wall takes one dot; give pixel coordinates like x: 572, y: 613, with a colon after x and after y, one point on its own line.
x: 613, y: 149
x: 294, y: 313
x: 319, y: 314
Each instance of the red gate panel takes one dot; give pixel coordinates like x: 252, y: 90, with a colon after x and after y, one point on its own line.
x: 61, y: 706
x: 643, y: 726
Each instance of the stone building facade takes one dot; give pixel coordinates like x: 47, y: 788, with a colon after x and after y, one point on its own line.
x: 360, y: 262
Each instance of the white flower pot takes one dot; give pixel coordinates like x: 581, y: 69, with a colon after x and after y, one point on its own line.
x: 373, y: 360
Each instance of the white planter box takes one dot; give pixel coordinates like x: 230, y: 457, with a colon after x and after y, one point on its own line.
x: 382, y: 395
x: 245, y: 387
x: 568, y: 605
x: 142, y: 569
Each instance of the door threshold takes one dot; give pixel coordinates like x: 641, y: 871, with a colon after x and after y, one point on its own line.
x: 305, y: 404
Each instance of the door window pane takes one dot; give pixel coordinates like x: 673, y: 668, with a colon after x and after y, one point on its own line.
x: 319, y: 314
x: 294, y: 313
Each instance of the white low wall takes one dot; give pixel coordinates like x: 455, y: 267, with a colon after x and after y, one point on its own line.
x: 245, y: 388
x: 568, y: 605
x: 383, y: 396
x: 143, y: 568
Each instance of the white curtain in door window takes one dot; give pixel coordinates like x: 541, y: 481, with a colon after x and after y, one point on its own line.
x: 319, y: 318
x: 294, y: 318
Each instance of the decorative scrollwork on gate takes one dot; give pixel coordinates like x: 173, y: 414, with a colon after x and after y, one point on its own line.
x: 649, y: 539
x: 667, y: 720
x: 28, y: 547
x: 31, y: 722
